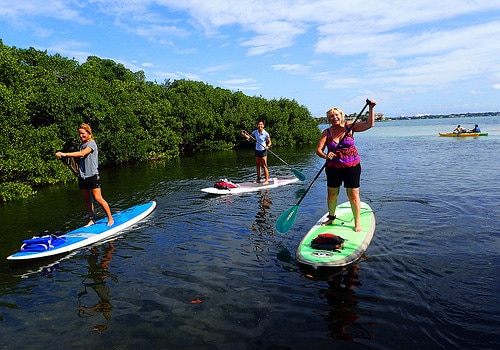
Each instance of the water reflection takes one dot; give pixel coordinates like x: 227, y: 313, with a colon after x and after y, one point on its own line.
x: 46, y: 267
x: 343, y: 320
x: 96, y: 279
x: 344, y: 317
x: 262, y: 227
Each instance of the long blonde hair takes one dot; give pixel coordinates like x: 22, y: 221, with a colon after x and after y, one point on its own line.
x: 336, y: 109
x: 88, y: 129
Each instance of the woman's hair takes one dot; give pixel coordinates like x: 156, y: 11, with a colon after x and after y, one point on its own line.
x: 336, y: 109
x: 87, y: 128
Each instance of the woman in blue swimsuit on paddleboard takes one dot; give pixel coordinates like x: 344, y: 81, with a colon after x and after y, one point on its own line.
x: 262, y: 144
x: 343, y: 162
x: 89, y: 180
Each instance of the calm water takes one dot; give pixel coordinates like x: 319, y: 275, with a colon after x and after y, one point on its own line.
x: 212, y: 273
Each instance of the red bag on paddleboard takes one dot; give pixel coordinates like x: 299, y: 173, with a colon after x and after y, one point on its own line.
x: 327, y: 241
x: 225, y: 184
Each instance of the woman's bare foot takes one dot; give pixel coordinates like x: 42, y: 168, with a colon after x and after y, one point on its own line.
x: 265, y: 183
x: 358, y: 229
x: 110, y: 222
x: 90, y: 223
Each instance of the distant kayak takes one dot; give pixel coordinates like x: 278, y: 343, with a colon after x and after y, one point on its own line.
x: 463, y: 134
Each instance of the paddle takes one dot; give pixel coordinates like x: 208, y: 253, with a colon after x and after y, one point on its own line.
x: 72, y: 164
x: 296, y: 172
x: 286, y: 220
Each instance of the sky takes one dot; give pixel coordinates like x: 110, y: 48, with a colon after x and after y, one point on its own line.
x: 412, y: 57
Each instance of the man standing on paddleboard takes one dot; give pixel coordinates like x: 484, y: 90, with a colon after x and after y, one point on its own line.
x: 262, y: 144
x: 89, y: 180
x: 342, y: 159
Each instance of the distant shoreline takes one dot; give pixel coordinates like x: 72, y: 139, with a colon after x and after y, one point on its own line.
x: 379, y: 117
x: 443, y: 116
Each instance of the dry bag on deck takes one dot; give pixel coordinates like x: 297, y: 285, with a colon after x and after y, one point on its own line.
x: 327, y: 241
x: 225, y: 184
x: 40, y: 244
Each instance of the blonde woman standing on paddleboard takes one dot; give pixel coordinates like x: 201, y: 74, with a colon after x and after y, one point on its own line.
x: 342, y: 160
x: 89, y: 180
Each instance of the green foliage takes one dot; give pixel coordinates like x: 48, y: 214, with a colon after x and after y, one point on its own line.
x: 43, y: 99
x: 10, y: 191
x: 213, y: 114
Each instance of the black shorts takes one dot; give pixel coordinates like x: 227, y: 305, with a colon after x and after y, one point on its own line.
x: 349, y: 176
x: 261, y: 154
x: 89, y: 183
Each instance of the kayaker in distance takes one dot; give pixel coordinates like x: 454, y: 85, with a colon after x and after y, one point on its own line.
x: 475, y: 129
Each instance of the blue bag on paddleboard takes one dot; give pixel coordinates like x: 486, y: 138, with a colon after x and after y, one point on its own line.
x: 40, y: 244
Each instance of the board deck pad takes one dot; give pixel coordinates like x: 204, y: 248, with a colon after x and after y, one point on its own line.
x: 85, y: 236
x: 355, y: 243
x: 250, y: 186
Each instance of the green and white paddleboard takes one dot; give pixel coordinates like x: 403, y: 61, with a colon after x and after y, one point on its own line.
x: 355, y: 243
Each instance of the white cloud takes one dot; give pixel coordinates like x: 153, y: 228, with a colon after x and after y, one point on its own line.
x: 393, y: 48
x: 241, y: 84
x: 292, y: 68
x: 218, y: 68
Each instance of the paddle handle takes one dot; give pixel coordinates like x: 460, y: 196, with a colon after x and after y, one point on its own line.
x: 286, y: 220
x: 298, y: 174
x: 72, y: 165
x: 253, y: 138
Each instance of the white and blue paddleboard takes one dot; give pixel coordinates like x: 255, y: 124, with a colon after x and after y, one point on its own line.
x: 45, y: 246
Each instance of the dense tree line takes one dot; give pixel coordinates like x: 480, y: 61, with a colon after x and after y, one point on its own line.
x: 44, y: 97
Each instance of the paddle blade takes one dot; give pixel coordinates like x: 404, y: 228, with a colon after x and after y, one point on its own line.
x: 72, y: 164
x: 286, y: 220
x: 299, y: 175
